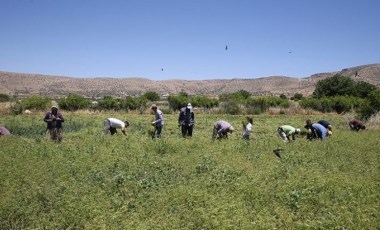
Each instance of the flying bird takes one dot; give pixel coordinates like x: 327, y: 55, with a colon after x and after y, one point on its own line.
x: 226, y: 47
x: 162, y: 69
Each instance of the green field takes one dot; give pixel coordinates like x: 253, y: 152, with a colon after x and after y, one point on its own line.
x: 92, y: 181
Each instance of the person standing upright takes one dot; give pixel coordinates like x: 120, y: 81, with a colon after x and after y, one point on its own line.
x: 54, y: 120
x: 186, y: 120
x: 158, y: 121
x: 247, y: 128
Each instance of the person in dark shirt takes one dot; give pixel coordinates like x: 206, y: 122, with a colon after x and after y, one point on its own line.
x: 356, y: 125
x: 325, y: 124
x: 186, y: 120
x: 54, y: 120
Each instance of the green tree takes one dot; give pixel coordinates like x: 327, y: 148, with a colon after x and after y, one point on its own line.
x: 373, y: 105
x: 74, y: 102
x: 152, y: 96
x: 297, y: 97
x: 177, y: 102
x: 363, y: 89
x: 336, y: 85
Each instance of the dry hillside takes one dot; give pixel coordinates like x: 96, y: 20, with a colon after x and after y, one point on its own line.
x: 29, y: 84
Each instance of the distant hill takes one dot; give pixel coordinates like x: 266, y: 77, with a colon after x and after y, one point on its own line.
x: 23, y: 84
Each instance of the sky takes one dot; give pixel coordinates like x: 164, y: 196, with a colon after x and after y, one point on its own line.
x: 187, y: 39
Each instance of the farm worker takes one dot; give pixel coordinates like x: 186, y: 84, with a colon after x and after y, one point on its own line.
x: 356, y: 125
x: 158, y: 122
x: 221, y: 130
x: 311, y: 131
x: 320, y: 131
x: 247, y: 128
x: 186, y: 120
x: 316, y: 131
x: 285, y: 131
x: 325, y: 124
x: 4, y: 131
x: 54, y: 120
x: 111, y: 125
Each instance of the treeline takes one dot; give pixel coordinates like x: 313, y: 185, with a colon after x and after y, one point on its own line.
x: 342, y: 94
x: 335, y: 94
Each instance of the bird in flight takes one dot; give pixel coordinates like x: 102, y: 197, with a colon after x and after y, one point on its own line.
x: 226, y: 47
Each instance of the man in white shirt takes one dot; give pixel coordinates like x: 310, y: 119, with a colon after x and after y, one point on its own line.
x: 111, y: 124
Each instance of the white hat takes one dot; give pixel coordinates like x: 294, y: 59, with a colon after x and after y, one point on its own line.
x: 298, y: 130
x: 189, y: 106
x: 231, y: 128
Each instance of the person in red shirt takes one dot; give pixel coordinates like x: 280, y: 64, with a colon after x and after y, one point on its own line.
x: 356, y: 125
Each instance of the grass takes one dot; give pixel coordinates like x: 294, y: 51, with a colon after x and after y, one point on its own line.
x: 92, y: 181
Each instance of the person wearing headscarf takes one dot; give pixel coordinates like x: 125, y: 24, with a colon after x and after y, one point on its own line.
x: 186, y: 120
x: 54, y: 120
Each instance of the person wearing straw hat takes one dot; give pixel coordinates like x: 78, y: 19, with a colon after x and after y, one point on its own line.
x: 221, y: 130
x: 186, y: 120
x: 54, y: 120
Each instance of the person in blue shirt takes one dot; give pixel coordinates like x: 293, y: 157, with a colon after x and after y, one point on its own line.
x: 319, y: 130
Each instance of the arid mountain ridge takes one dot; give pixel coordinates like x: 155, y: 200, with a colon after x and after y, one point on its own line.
x: 22, y: 84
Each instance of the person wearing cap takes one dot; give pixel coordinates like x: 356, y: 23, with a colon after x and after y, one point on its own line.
x: 247, y: 128
x: 221, y: 130
x: 186, y: 120
x: 111, y: 125
x: 287, y: 131
x: 356, y: 125
x: 158, y: 122
x: 54, y: 120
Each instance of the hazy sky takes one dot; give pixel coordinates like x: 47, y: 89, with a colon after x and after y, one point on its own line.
x: 187, y: 39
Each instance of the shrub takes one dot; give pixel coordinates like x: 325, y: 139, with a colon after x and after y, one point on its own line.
x: 230, y: 107
x: 36, y: 102
x: 337, y: 104
x: 4, y: 97
x: 74, y: 102
x: 151, y: 96
x: 297, y: 97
